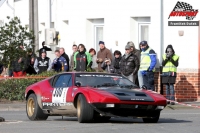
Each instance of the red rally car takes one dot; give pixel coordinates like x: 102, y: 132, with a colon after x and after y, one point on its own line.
x: 90, y: 97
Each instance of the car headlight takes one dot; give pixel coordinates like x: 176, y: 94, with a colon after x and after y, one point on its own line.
x: 160, y: 107
x: 110, y: 105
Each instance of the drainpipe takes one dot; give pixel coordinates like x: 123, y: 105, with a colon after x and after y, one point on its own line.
x: 11, y: 8
x: 199, y: 59
x: 161, y: 42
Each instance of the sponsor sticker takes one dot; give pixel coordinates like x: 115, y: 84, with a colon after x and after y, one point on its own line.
x: 59, y: 95
x: 57, y: 104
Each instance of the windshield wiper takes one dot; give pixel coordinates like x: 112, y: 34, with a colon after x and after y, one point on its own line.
x: 127, y: 86
x: 106, y: 85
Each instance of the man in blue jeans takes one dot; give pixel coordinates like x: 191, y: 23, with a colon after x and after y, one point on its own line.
x: 147, y: 65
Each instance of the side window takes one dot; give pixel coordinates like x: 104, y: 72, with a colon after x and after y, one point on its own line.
x: 63, y: 81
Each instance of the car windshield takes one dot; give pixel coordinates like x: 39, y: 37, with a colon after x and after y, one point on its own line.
x: 103, y: 80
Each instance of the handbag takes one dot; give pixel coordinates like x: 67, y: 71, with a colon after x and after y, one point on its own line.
x: 168, y: 77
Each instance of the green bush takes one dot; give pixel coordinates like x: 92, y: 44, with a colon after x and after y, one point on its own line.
x: 14, y: 89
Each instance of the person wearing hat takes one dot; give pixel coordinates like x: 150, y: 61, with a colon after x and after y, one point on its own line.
x: 134, y: 50
x: 170, y: 64
x: 102, y: 54
x: 137, y: 53
x: 42, y: 63
x: 147, y: 65
x: 129, y: 64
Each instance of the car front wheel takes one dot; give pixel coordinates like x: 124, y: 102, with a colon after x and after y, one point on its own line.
x: 33, y: 110
x: 84, y: 110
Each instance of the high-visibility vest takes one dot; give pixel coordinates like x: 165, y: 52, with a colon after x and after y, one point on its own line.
x: 145, y: 60
x: 169, y: 67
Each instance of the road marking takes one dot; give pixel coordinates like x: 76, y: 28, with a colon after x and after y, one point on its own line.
x: 182, y: 113
x: 11, y: 122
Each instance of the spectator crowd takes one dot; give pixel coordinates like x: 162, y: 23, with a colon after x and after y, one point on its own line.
x: 138, y: 65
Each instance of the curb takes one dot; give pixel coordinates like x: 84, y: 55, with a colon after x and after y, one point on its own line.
x: 12, y: 107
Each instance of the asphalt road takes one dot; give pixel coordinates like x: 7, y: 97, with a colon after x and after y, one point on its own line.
x: 172, y: 120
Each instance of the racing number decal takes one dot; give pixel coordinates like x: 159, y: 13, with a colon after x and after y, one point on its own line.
x: 59, y: 95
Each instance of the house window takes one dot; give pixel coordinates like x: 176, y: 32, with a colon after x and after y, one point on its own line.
x: 143, y: 32
x: 98, y: 31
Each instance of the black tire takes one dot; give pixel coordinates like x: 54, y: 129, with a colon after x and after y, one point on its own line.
x: 2, y: 119
x: 33, y: 110
x: 152, y: 119
x: 84, y: 110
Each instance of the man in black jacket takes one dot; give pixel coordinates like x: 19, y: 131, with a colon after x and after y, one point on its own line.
x: 19, y: 67
x: 117, y: 61
x: 129, y: 64
x: 137, y: 53
x: 63, y: 54
x: 30, y: 62
x: 82, y: 59
x: 42, y: 63
x: 45, y: 47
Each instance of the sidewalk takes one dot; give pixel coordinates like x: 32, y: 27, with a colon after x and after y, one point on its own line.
x: 188, y: 105
x: 13, y: 106
x: 21, y: 106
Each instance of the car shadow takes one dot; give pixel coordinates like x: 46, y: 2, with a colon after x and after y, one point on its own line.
x: 124, y: 120
x: 168, y: 120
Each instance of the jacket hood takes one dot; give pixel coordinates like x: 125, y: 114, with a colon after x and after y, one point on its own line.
x: 170, y: 46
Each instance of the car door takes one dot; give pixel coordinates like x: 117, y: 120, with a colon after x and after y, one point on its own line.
x: 61, y: 85
x: 57, y: 89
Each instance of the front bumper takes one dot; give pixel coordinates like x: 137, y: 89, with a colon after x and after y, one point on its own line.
x: 125, y: 110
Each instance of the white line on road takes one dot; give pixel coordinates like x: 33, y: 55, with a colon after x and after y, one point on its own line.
x: 11, y: 122
x: 181, y: 113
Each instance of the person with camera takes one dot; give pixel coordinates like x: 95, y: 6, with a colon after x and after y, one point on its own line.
x: 106, y: 65
x: 102, y: 54
x: 170, y: 64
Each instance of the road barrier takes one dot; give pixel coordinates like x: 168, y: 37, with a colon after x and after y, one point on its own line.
x: 185, y: 104
x: 24, y: 77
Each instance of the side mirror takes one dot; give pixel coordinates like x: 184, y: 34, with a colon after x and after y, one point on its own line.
x: 144, y: 87
x: 78, y: 84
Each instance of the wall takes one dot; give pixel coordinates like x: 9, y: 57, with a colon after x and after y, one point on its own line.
x: 116, y: 14
x: 187, y: 86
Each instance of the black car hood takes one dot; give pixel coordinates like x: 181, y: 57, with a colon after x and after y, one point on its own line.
x: 125, y: 94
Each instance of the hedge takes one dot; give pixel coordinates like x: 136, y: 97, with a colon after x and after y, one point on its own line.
x: 14, y: 88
